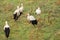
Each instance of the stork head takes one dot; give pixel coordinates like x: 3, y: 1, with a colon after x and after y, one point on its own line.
x: 28, y: 14
x: 38, y: 7
x: 17, y: 7
x: 21, y: 4
x: 6, y: 22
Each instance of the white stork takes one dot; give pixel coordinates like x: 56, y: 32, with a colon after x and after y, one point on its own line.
x: 21, y: 8
x: 16, y: 13
x: 31, y: 19
x: 38, y: 11
x: 7, y: 29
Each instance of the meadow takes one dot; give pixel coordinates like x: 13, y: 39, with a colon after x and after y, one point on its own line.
x: 48, y: 27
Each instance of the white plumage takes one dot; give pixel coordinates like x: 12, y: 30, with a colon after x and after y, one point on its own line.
x: 30, y: 17
x: 17, y: 11
x: 38, y: 11
x: 21, y: 8
x: 6, y: 25
x: 7, y: 29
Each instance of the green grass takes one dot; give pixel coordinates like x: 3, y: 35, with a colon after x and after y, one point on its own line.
x: 48, y: 27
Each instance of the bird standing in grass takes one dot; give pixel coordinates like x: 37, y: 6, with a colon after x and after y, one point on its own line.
x: 21, y: 8
x: 38, y: 11
x: 7, y: 29
x: 16, y: 13
x: 31, y: 19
